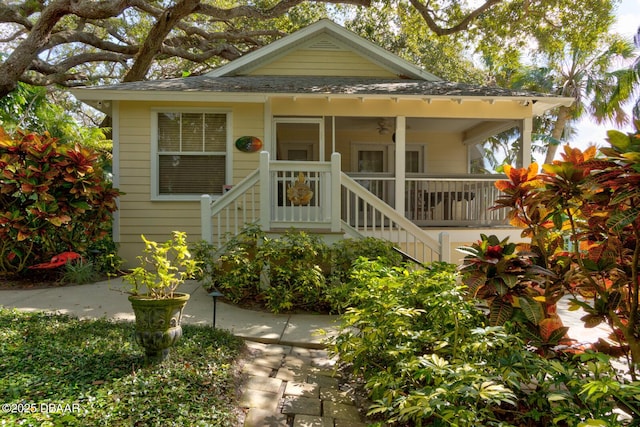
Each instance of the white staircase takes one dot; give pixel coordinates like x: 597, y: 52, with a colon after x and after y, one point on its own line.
x: 339, y: 207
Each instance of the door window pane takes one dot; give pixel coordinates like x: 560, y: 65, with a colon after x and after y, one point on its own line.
x: 370, y: 161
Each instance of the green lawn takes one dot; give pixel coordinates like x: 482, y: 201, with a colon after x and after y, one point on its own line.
x: 57, y: 370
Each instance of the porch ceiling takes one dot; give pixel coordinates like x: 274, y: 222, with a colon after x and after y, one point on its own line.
x: 413, y: 124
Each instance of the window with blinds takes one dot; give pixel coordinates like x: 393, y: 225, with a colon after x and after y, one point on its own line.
x: 191, y: 153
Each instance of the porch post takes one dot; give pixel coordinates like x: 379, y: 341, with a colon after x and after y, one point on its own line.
x: 401, y: 125
x: 205, y: 218
x: 336, y: 193
x: 265, y: 192
x: 525, y: 153
x: 445, y: 247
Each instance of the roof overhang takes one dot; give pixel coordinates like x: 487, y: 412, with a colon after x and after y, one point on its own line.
x: 259, y: 89
x: 103, y: 99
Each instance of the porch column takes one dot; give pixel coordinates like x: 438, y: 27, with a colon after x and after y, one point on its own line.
x: 401, y: 145
x: 265, y: 192
x: 524, y: 159
x: 336, y: 192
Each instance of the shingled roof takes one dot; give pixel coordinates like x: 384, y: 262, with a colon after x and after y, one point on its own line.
x: 270, y: 85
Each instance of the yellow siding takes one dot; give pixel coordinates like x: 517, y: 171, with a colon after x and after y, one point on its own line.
x: 311, y: 62
x: 156, y: 219
x: 445, y: 152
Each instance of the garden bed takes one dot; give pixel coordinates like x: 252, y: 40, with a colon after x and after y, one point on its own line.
x: 63, y: 371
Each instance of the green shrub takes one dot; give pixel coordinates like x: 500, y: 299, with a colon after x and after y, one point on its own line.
x: 426, y: 357
x: 343, y: 255
x: 297, y: 271
x: 53, y: 198
x: 103, y: 254
x: 292, y: 269
x: 232, y: 269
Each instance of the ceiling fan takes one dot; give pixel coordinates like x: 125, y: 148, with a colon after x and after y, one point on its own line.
x: 385, y: 127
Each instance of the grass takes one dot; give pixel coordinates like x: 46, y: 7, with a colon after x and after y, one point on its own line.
x: 62, y: 371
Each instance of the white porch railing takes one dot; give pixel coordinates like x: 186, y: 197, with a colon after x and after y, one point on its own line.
x: 364, y: 214
x: 281, y: 177
x: 338, y: 204
x: 434, y: 201
x: 227, y: 215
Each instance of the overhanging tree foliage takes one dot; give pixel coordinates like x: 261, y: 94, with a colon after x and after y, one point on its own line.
x: 59, y: 42
x: 79, y: 42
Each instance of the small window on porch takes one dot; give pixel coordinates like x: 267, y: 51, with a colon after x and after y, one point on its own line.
x: 370, y: 161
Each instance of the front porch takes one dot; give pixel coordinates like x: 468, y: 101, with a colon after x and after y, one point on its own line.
x: 354, y: 205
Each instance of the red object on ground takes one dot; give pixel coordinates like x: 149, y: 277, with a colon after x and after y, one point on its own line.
x: 57, y: 261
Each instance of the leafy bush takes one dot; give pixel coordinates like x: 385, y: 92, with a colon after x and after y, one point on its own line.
x: 53, y: 198
x: 346, y: 251
x: 292, y: 267
x: 297, y: 271
x: 593, y: 201
x: 232, y: 269
x: 103, y: 254
x: 426, y: 357
x: 506, y: 277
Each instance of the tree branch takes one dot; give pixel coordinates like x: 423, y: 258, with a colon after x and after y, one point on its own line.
x: 430, y: 17
x: 154, y: 40
x: 65, y: 37
x: 22, y: 57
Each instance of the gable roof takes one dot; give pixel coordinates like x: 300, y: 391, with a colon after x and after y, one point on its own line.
x: 237, y: 81
x: 323, y: 32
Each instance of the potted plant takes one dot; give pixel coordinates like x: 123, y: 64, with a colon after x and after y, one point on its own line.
x: 156, y: 304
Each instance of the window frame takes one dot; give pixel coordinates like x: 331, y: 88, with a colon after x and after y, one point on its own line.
x: 155, y: 153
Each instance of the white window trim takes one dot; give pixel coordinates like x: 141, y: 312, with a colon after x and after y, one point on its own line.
x: 388, y: 153
x: 155, y: 191
x: 421, y: 148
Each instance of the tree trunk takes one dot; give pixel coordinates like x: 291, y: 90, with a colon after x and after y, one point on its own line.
x: 22, y: 57
x: 26, y: 52
x: 154, y: 40
x: 564, y: 114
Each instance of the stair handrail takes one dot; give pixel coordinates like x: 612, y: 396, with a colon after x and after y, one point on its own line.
x: 388, y: 213
x: 210, y: 207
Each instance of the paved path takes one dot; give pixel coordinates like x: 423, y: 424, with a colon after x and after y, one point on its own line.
x: 288, y: 379
x: 294, y: 386
x: 108, y: 299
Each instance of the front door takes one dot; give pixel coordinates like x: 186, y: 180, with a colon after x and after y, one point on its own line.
x: 298, y: 190
x: 299, y: 139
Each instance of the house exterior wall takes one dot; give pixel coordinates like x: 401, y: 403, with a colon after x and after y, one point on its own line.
x: 444, y: 152
x: 313, y: 62
x: 138, y: 214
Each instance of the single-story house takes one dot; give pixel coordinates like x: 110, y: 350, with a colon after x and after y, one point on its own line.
x: 321, y: 130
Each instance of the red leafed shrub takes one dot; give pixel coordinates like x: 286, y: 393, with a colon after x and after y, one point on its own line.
x: 53, y: 198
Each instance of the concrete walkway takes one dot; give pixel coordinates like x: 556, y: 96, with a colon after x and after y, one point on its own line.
x: 108, y: 299
x: 288, y: 379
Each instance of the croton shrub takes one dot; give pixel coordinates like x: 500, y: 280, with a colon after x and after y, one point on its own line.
x: 582, y: 214
x: 53, y: 198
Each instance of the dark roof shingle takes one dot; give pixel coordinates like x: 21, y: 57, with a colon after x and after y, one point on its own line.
x: 319, y: 86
